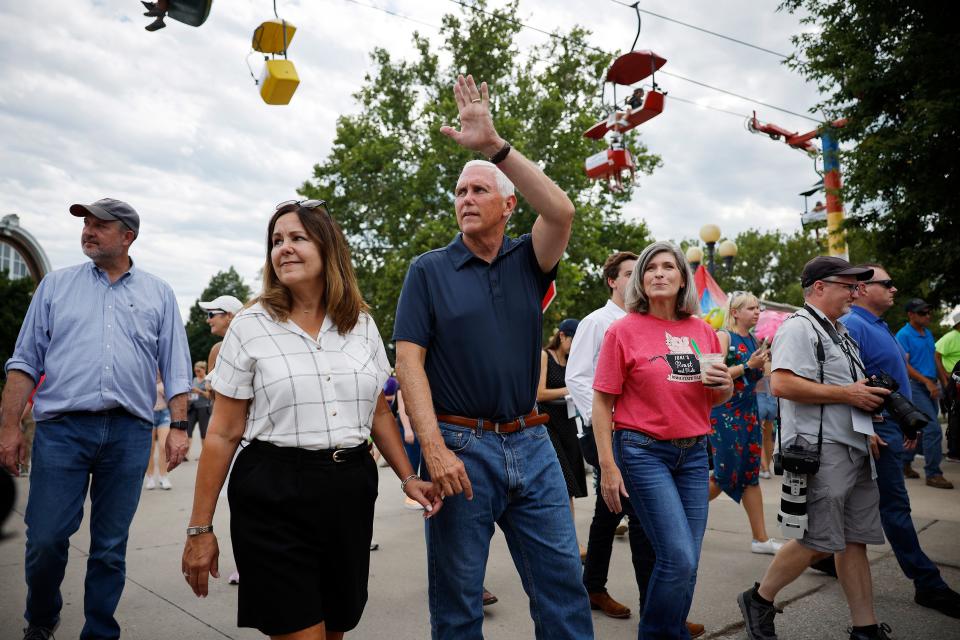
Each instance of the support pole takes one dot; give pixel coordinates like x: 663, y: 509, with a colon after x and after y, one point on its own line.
x: 836, y: 236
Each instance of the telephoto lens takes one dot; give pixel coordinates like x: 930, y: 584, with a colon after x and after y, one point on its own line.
x: 792, y: 517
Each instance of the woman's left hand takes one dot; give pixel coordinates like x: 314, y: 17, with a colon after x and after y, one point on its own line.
x: 426, y: 494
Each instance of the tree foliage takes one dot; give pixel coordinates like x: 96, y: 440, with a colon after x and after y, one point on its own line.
x: 16, y: 295
x: 390, y: 175
x: 891, y: 68
x: 223, y: 283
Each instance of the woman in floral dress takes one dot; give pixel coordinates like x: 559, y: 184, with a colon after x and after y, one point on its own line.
x: 737, y: 437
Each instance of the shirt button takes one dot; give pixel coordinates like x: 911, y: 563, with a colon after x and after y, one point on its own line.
x: 334, y: 412
x: 328, y: 378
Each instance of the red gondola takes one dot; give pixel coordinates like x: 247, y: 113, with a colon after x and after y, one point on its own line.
x: 615, y: 165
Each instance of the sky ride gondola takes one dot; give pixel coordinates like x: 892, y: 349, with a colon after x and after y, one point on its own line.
x: 615, y: 164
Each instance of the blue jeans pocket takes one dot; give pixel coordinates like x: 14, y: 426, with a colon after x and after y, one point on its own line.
x: 456, y: 440
x: 637, y: 439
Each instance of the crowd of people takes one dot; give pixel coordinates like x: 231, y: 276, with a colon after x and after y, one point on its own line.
x: 484, y: 428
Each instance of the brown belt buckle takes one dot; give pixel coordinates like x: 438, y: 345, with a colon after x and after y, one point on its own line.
x: 335, y: 457
x: 684, y: 443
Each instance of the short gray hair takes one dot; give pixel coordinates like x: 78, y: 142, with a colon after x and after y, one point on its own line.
x: 504, y: 185
x: 636, y: 298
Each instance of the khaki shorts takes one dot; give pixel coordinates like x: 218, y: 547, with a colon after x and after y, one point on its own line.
x: 843, y: 502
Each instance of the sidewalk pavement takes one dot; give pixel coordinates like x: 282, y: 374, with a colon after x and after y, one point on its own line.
x: 157, y: 604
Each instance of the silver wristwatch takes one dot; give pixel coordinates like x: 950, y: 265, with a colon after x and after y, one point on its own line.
x: 195, y: 531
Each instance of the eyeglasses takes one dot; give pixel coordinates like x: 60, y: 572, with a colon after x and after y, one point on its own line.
x: 302, y: 204
x: 852, y: 288
x: 213, y: 314
x: 886, y: 284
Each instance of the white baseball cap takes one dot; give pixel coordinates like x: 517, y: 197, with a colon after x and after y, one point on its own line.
x: 222, y: 303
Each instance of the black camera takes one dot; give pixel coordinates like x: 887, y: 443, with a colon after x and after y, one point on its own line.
x: 903, y: 412
x: 796, y: 459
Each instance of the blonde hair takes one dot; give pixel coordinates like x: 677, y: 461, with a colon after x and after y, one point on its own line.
x: 636, y: 298
x: 200, y: 363
x: 342, y: 299
x: 736, y: 301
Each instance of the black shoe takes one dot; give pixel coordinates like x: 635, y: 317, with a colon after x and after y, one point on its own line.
x: 37, y: 633
x: 827, y: 566
x: 156, y: 25
x: 149, y: 6
x: 946, y: 600
x: 880, y: 634
x: 757, y: 616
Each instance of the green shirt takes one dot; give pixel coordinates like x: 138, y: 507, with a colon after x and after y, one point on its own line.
x: 949, y: 349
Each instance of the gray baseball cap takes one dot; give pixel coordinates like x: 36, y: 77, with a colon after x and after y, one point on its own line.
x: 110, y: 209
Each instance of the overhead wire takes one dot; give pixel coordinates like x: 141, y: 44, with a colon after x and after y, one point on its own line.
x: 713, y: 33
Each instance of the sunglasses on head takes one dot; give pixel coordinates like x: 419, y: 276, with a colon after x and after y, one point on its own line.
x: 291, y: 205
x: 215, y: 312
x: 886, y: 284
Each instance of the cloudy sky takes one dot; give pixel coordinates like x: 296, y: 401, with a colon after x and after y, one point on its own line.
x: 92, y: 105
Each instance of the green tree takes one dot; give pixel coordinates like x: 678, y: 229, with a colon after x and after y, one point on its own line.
x: 891, y: 68
x: 16, y: 295
x: 224, y: 283
x: 390, y: 176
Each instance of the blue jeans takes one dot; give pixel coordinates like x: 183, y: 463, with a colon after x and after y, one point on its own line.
x: 931, y: 438
x: 106, y: 452
x: 412, y: 449
x: 517, y: 484
x: 669, y: 490
x: 895, y: 511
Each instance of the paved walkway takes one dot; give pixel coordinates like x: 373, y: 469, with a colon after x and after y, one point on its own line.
x: 157, y: 605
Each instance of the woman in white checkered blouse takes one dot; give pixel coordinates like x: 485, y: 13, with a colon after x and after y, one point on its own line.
x: 299, y: 380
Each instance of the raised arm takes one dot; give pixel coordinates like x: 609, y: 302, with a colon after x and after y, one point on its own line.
x: 551, y: 230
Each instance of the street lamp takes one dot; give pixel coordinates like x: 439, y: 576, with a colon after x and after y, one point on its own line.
x: 710, y: 233
x: 694, y: 257
x: 727, y: 251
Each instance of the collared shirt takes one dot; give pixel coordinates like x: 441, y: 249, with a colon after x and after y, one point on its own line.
x: 100, y: 343
x: 795, y: 350
x: 582, y: 361
x: 311, y: 393
x: 879, y: 350
x: 480, y: 324
x: 921, y: 347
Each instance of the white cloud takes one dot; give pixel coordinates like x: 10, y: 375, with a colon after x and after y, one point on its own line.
x: 92, y: 105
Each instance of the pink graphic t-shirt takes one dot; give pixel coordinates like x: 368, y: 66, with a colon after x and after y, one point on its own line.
x: 651, y: 366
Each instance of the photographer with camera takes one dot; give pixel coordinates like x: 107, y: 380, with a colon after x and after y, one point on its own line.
x: 897, y: 427
x: 826, y: 439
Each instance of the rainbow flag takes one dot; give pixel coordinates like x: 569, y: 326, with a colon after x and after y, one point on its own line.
x: 712, y: 298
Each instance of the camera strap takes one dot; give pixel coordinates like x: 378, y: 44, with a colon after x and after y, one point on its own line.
x: 821, y: 359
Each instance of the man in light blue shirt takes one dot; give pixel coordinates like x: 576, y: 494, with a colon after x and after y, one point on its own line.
x: 99, y: 332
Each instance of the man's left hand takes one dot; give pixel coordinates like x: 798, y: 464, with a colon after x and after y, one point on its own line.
x: 933, y: 389
x: 875, y: 443
x: 177, y: 446
x: 477, y: 132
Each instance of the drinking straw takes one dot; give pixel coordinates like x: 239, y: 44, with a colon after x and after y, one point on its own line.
x: 693, y: 343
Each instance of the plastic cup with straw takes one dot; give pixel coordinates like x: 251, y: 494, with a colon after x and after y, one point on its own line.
x: 706, y: 359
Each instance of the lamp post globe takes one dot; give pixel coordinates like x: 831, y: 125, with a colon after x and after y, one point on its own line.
x: 694, y: 257
x: 710, y: 233
x: 727, y: 251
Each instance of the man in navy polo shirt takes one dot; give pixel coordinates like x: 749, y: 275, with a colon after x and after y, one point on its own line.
x: 468, y: 334
x: 919, y: 344
x: 881, y: 352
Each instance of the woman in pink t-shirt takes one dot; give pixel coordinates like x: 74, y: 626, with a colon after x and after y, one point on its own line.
x: 650, y: 395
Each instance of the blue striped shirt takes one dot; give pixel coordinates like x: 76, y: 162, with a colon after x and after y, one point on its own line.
x: 100, y: 344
